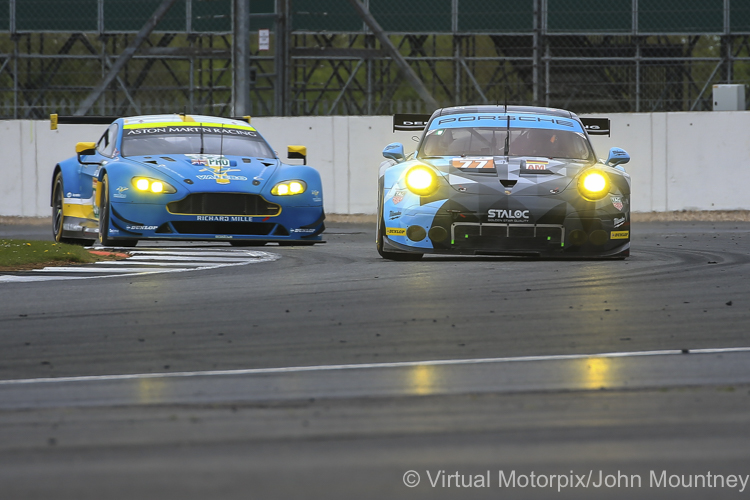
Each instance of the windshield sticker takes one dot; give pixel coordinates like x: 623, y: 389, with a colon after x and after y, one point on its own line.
x: 617, y: 202
x: 503, y: 120
x: 477, y: 163
x: 181, y: 130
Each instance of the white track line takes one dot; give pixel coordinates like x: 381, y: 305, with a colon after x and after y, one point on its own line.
x: 252, y: 257
x: 189, y: 258
x: 401, y: 364
x: 228, y: 253
x: 91, y: 270
x: 128, y: 262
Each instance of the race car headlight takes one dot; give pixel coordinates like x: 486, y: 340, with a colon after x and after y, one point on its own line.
x: 288, y: 188
x: 148, y: 185
x: 421, y: 181
x: 593, y: 185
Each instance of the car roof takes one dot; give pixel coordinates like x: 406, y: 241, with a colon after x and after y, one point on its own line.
x: 492, y: 108
x: 179, y: 117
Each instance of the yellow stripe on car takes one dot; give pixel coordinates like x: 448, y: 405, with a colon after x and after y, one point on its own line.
x: 188, y: 124
x: 78, y: 210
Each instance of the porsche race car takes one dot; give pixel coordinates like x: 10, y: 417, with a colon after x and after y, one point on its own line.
x: 183, y: 177
x: 503, y: 180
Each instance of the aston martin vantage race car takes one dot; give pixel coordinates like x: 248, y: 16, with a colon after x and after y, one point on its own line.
x: 497, y: 180
x: 184, y: 177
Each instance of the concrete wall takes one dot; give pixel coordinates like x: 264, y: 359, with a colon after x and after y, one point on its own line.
x: 680, y: 161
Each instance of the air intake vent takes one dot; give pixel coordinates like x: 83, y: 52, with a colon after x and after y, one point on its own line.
x: 224, y: 204
x: 508, y: 184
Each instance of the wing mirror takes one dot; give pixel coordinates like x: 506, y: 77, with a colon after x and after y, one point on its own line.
x: 297, y: 153
x: 617, y: 156
x: 394, y: 151
x: 83, y: 149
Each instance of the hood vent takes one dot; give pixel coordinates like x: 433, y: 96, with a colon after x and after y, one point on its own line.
x: 508, y: 184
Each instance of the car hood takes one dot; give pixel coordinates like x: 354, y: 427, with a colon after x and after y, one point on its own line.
x: 533, y: 176
x: 214, y: 172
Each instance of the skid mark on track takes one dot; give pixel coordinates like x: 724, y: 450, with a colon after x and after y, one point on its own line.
x: 146, y: 261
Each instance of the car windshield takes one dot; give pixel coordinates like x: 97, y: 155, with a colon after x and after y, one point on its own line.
x: 490, y: 141
x: 190, y: 140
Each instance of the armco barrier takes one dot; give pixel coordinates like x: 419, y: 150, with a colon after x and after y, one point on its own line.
x: 680, y: 161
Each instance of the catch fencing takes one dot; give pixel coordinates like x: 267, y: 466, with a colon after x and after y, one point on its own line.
x: 322, y: 57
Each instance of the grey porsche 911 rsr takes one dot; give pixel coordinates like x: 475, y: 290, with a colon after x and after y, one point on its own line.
x: 503, y: 180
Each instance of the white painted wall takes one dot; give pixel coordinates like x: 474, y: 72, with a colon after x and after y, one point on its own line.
x: 680, y: 161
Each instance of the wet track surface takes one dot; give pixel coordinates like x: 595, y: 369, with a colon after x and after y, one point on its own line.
x: 238, y: 378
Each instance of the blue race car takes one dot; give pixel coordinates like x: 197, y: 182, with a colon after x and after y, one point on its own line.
x: 497, y: 180
x: 182, y: 177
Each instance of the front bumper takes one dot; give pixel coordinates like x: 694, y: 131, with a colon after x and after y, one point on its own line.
x: 430, y: 230
x: 147, y: 221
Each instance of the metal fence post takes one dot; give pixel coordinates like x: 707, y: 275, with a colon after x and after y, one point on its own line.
x: 241, y: 57
x: 281, y: 63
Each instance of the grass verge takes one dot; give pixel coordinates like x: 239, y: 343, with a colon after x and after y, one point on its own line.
x: 19, y: 255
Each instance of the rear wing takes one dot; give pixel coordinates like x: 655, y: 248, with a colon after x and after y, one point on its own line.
x: 55, y: 120
x: 596, y: 126
x: 410, y: 122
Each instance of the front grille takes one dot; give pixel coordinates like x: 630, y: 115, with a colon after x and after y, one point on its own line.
x: 507, y: 237
x: 218, y: 227
x: 224, y: 204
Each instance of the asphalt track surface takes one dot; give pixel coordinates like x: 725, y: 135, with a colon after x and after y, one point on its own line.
x: 330, y: 373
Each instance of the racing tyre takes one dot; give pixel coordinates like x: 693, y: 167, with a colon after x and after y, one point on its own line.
x: 394, y: 255
x: 104, y: 209
x: 57, y: 215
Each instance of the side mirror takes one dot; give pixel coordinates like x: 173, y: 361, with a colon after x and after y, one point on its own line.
x: 86, y: 148
x: 83, y: 149
x: 297, y: 153
x: 394, y: 151
x: 617, y: 156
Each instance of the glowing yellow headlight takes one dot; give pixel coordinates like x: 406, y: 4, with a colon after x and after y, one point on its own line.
x: 287, y: 188
x: 594, y: 185
x: 142, y: 184
x: 153, y: 185
x: 421, y: 181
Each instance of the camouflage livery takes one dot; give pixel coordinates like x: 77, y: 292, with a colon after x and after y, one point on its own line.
x: 516, y: 181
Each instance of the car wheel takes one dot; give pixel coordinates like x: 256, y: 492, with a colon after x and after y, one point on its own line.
x: 58, y: 220
x: 104, y: 209
x: 247, y: 243
x: 393, y: 255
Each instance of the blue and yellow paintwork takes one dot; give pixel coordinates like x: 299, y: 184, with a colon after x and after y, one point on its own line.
x: 138, y: 215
